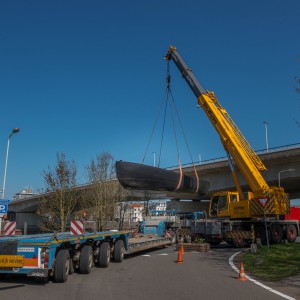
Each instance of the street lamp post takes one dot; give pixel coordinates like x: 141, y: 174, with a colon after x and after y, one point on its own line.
x: 154, y: 156
x: 289, y: 170
x: 15, y: 130
x: 267, y: 142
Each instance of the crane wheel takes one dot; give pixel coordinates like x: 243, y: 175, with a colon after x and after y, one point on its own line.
x: 291, y: 233
x: 276, y: 234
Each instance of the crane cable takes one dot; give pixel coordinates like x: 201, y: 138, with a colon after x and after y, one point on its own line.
x: 163, y: 130
x: 176, y: 140
x: 164, y: 99
x: 186, y: 142
x: 168, y: 94
x: 153, y: 129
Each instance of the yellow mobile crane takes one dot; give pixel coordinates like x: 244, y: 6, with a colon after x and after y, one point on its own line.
x: 262, y: 200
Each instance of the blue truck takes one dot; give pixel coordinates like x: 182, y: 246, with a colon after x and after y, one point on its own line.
x: 57, y: 255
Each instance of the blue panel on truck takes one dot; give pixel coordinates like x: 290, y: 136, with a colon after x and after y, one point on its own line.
x: 153, y: 227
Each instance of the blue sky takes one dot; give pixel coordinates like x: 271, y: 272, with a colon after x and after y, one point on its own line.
x: 83, y: 77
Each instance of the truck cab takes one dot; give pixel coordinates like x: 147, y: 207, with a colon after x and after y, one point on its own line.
x: 227, y: 204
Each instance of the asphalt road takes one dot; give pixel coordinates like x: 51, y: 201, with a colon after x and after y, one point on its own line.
x: 152, y: 275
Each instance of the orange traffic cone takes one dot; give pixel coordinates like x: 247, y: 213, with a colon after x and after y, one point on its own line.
x: 182, y: 249
x: 179, y: 259
x: 242, y: 275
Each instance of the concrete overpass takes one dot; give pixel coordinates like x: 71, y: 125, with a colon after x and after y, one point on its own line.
x: 215, y: 171
x: 276, y: 160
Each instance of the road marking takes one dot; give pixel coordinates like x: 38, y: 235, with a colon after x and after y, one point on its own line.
x: 146, y: 255
x: 163, y: 254
x: 255, y: 281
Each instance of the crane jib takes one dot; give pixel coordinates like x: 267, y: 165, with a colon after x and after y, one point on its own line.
x: 186, y: 72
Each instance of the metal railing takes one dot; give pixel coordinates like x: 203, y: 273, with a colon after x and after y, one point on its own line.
x: 224, y: 158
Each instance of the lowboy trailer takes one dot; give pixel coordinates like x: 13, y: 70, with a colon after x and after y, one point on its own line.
x: 59, y: 254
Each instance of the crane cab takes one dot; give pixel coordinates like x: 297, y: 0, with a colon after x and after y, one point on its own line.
x: 228, y: 204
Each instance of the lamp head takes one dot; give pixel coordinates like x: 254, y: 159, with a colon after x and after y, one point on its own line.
x: 16, y: 130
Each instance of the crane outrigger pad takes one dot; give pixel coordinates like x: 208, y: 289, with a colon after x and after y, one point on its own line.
x: 142, y: 177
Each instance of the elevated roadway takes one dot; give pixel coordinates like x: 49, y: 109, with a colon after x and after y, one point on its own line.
x: 283, y: 164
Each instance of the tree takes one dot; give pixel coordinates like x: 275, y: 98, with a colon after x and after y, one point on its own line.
x: 122, y: 205
x: 104, y: 191
x: 60, y: 200
x: 146, y: 197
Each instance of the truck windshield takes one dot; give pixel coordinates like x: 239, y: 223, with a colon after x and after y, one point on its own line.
x: 222, y: 202
x: 214, y: 205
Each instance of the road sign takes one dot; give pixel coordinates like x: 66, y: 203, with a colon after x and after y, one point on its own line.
x: 3, y: 208
x: 10, y: 228
x: 77, y: 227
x: 4, y: 201
x: 263, y: 201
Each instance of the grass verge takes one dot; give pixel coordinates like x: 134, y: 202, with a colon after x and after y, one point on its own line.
x: 274, y: 263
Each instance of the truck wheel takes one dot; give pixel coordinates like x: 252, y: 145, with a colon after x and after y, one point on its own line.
x: 86, y: 260
x: 62, y: 266
x: 291, y: 233
x: 276, y: 234
x: 104, y: 255
x: 119, y: 251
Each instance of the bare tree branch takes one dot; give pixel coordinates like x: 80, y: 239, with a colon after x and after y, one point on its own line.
x: 60, y: 203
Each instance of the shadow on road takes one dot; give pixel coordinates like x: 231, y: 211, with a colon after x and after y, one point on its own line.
x: 11, y: 287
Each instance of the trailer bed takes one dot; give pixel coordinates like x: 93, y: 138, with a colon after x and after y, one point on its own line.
x: 136, y: 244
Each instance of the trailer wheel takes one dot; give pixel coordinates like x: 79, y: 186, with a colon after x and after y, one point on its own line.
x: 276, y: 234
x: 119, y: 251
x: 62, y: 266
x: 104, y: 255
x: 86, y: 260
x: 291, y: 233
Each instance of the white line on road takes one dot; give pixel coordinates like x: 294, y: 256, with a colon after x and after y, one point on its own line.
x: 146, y: 255
x: 163, y: 254
x: 255, y: 281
